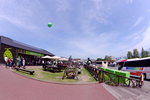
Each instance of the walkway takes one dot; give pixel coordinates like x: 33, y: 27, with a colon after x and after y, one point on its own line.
x: 16, y: 87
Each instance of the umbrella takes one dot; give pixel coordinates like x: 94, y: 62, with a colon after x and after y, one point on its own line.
x: 47, y: 57
x: 63, y: 59
x: 56, y: 57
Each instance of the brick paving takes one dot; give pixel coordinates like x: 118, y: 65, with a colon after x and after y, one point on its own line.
x: 16, y: 87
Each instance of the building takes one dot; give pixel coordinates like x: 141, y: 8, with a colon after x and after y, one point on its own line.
x: 13, y: 49
x: 76, y: 60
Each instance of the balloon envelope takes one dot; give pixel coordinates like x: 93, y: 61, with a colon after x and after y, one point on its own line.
x: 49, y: 24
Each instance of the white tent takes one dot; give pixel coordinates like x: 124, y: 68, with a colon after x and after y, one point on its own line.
x: 63, y: 59
x: 55, y: 57
x: 47, y: 57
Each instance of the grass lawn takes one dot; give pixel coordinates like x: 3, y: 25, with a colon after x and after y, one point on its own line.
x: 85, y: 72
x: 39, y: 74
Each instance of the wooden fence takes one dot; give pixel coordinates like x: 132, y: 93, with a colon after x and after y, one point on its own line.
x: 113, y: 79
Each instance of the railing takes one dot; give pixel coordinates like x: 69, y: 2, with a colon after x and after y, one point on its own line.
x: 113, y: 79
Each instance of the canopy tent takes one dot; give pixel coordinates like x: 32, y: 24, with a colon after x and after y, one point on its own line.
x: 55, y: 57
x: 47, y: 57
x: 63, y: 59
x: 51, y: 57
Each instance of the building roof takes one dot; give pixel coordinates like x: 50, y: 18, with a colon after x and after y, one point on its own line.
x: 13, y: 43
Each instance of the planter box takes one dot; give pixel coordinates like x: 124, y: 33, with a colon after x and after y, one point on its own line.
x: 111, y: 71
x: 102, y: 68
x: 124, y: 74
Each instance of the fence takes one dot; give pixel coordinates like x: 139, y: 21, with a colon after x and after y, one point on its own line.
x: 113, y: 79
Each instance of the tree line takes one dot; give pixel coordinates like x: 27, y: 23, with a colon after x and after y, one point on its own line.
x: 136, y: 54
x: 105, y: 58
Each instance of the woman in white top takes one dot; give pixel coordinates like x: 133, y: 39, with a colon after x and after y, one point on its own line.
x: 23, y: 63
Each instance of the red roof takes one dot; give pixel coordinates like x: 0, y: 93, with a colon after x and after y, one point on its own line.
x: 123, y: 60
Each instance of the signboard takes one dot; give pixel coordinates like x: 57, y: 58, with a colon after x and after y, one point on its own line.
x: 7, y: 53
x: 33, y: 53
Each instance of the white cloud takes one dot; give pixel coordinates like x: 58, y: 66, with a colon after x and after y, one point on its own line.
x: 86, y: 20
x: 148, y: 10
x: 145, y: 42
x: 91, y: 42
x: 136, y: 40
x: 138, y: 21
x: 139, y: 41
x: 18, y: 22
x: 136, y: 36
x: 91, y: 12
x: 98, y: 12
x: 94, y: 46
x: 19, y: 13
x: 130, y: 1
x: 63, y: 5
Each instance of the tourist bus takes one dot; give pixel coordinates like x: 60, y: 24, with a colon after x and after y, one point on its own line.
x: 137, y: 67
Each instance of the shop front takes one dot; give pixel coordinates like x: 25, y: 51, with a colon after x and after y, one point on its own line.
x: 11, y: 49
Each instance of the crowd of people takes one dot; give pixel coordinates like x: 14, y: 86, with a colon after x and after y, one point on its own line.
x: 20, y: 62
x: 9, y: 62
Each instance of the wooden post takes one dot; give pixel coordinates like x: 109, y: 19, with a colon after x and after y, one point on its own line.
x: 118, y: 79
x: 142, y: 80
x: 102, y: 76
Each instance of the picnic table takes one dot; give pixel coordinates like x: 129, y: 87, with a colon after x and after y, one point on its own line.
x: 52, y: 68
x: 70, y: 73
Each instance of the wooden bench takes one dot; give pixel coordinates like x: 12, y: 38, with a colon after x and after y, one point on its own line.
x: 25, y: 70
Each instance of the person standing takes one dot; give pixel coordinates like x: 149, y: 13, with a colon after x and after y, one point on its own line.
x: 23, y: 63
x: 43, y: 63
x: 9, y: 62
x: 12, y: 63
x: 6, y: 60
x: 19, y: 62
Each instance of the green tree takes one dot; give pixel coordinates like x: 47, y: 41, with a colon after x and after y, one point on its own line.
x: 129, y: 55
x: 108, y: 57
x: 135, y: 53
x: 99, y: 59
x: 144, y: 53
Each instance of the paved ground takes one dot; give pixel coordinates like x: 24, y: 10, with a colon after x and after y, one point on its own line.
x: 125, y: 93
x: 16, y: 87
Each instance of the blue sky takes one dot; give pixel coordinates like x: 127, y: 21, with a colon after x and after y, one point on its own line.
x: 81, y: 28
